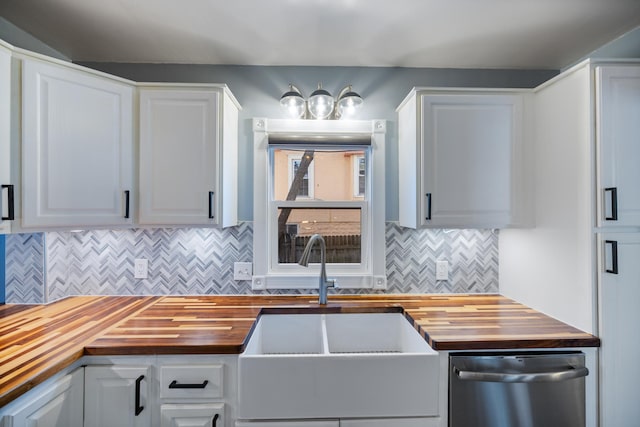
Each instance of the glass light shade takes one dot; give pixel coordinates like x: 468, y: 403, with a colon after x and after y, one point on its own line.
x: 349, y: 103
x: 320, y: 103
x: 293, y: 103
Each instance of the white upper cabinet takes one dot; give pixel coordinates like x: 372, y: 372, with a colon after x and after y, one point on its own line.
x: 461, y: 159
x: 77, y: 147
x: 618, y: 145
x: 7, y: 186
x: 188, y: 155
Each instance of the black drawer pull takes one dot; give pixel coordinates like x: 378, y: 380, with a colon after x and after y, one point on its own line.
x: 428, y: 217
x: 126, y: 203
x: 614, y: 257
x: 174, y: 384
x: 215, y: 420
x: 614, y: 204
x: 139, y: 408
x: 10, y: 205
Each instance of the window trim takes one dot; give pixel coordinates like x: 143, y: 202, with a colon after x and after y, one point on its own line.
x: 371, y: 272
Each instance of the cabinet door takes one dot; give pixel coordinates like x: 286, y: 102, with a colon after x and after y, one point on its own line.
x: 77, y: 148
x: 5, y: 140
x: 179, y: 133
x: 192, y: 415
x: 619, y: 320
x: 58, y: 405
x: 618, y: 145
x: 117, y: 396
x: 469, y: 145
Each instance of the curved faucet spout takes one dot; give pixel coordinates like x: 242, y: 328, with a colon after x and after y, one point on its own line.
x: 304, y: 261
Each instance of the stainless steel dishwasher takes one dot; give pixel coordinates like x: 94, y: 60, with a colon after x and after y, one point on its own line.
x: 536, y: 389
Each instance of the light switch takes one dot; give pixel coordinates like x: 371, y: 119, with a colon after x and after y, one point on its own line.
x: 242, y: 270
x: 442, y: 270
x: 141, y: 268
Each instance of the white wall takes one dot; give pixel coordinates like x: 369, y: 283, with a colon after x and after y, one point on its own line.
x: 550, y: 267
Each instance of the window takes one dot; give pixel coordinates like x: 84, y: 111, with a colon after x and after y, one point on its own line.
x: 304, y: 186
x: 359, y: 176
x: 323, y: 172
x: 315, y: 177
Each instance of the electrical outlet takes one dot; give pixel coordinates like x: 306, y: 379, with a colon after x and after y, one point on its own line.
x: 242, y: 270
x: 442, y: 270
x: 141, y: 268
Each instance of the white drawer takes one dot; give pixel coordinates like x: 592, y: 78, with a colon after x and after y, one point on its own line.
x: 192, y: 381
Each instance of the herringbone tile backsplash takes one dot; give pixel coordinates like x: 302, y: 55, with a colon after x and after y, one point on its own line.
x: 53, y: 265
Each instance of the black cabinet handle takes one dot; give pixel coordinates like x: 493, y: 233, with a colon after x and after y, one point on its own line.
x: 211, y: 194
x: 428, y: 217
x: 614, y: 203
x: 215, y: 420
x: 174, y: 384
x: 11, y: 215
x: 614, y: 257
x: 126, y: 203
x: 137, y: 402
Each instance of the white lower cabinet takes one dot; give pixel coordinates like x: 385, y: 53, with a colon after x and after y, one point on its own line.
x: 117, y: 396
x: 192, y: 415
x: 55, y: 405
x: 166, y: 391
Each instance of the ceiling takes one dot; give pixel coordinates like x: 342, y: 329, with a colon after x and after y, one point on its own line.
x: 405, y: 33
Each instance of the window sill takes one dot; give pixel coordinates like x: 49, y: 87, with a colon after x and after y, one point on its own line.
x: 343, y: 281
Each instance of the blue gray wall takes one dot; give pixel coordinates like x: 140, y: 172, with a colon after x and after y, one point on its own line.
x: 20, y: 38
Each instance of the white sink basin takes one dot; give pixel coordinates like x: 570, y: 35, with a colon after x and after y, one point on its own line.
x: 337, y: 366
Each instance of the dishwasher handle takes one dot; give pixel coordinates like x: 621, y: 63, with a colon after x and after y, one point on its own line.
x: 569, y: 373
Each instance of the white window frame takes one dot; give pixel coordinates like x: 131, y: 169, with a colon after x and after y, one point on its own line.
x: 268, y: 273
x: 356, y: 175
x: 310, y: 174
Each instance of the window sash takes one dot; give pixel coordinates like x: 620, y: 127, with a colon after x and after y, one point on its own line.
x: 363, y: 267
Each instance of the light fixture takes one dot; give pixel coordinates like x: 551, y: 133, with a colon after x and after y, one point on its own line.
x: 348, y: 102
x: 293, y: 102
x: 320, y: 104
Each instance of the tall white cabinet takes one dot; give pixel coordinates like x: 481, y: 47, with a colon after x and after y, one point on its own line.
x: 580, y: 263
x: 188, y: 155
x: 618, y: 145
x: 77, y: 147
x: 619, y: 279
x: 461, y: 158
x: 7, y: 188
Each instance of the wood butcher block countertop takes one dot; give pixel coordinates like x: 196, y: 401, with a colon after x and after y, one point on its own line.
x: 37, y: 341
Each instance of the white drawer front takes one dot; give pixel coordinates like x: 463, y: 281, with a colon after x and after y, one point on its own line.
x: 192, y: 381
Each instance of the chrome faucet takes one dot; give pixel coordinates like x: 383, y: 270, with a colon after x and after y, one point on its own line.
x: 304, y: 261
